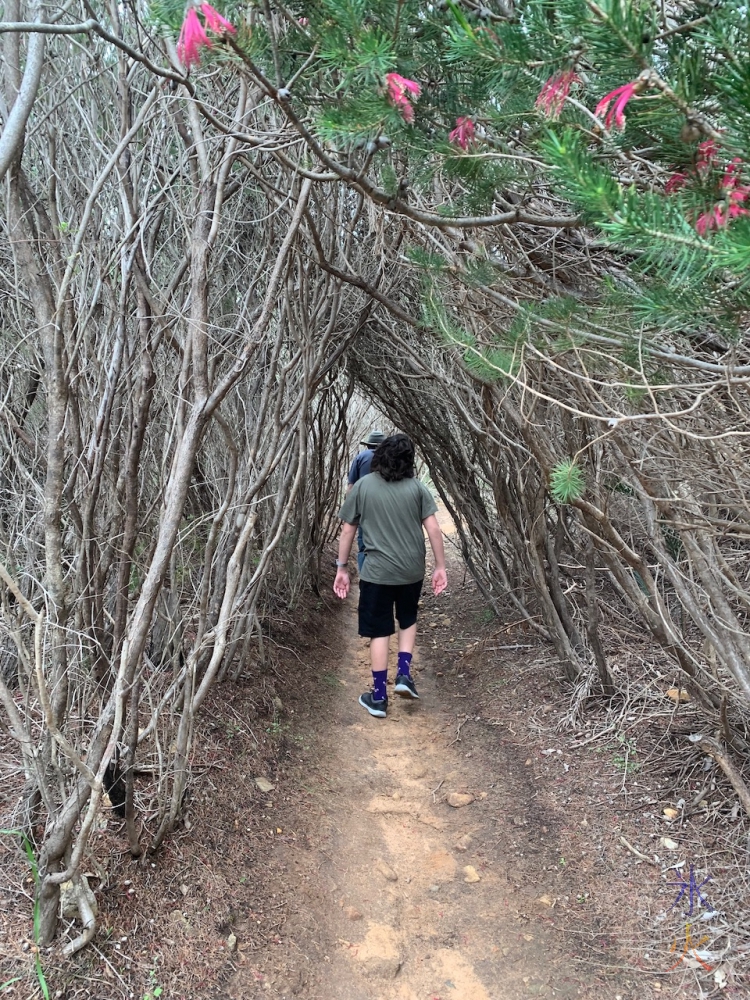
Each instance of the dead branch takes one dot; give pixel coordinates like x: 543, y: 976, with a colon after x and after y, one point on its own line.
x: 714, y: 749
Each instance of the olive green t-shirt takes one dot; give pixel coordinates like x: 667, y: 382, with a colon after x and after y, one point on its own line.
x: 390, y: 515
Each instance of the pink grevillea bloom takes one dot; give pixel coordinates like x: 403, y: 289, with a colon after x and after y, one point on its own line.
x: 620, y: 96
x: 706, y: 161
x: 553, y: 93
x: 192, y: 38
x: 707, y: 154
x: 721, y: 214
x: 303, y: 22
x: 400, y: 92
x: 735, y: 199
x: 734, y: 205
x: 215, y: 22
x: 710, y: 220
x: 463, y: 134
x: 736, y: 193
x: 731, y: 191
x: 675, y: 182
x: 193, y: 35
x: 731, y: 179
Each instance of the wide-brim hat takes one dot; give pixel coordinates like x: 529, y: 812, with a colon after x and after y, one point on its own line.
x: 373, y: 439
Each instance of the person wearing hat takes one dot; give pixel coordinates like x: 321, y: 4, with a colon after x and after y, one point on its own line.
x: 361, y: 467
x: 394, y: 509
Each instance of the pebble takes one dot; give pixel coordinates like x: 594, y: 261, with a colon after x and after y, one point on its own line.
x: 386, y: 871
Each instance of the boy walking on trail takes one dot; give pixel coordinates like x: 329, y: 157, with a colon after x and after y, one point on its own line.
x: 391, y: 507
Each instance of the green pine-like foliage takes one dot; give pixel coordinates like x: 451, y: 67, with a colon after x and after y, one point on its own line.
x: 566, y: 482
x: 664, y: 195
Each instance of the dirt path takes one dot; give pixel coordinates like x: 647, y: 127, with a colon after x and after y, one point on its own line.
x: 321, y: 859
x: 415, y: 908
x: 412, y: 886
x: 431, y: 868
x: 468, y: 847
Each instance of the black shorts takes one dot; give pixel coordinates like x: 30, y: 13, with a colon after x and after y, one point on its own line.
x: 376, y: 601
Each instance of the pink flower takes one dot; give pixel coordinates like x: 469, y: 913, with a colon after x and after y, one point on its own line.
x: 303, y: 22
x: 215, y: 22
x: 463, y: 134
x: 731, y: 178
x: 553, y: 93
x: 708, y: 149
x: 675, y: 182
x: 192, y: 38
x: 707, y: 161
x: 707, y: 153
x: 400, y: 92
x: 710, y: 220
x: 735, y: 211
x: 721, y: 214
x: 738, y: 194
x: 620, y: 96
x: 731, y: 191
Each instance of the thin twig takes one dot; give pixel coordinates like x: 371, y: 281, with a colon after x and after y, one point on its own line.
x: 634, y: 850
x: 459, y: 727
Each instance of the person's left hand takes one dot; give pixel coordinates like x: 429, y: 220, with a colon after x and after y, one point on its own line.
x: 341, y: 583
x: 439, y: 581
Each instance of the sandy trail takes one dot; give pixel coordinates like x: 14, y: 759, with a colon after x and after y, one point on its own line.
x: 402, y: 895
x: 416, y: 909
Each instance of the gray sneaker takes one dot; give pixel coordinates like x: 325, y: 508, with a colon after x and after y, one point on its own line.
x: 405, y: 687
x: 376, y: 708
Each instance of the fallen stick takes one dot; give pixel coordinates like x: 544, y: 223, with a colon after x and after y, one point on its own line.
x: 714, y: 749
x: 634, y: 850
x: 458, y: 731
x: 437, y: 788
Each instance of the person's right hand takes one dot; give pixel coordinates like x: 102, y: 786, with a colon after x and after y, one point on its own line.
x: 439, y: 581
x: 341, y: 583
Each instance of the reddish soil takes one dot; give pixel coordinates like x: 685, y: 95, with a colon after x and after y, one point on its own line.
x: 354, y: 878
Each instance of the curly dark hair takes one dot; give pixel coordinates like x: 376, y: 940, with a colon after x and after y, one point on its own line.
x: 394, y: 458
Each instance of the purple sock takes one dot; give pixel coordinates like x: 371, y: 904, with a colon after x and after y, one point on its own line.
x: 404, y: 663
x: 379, y: 679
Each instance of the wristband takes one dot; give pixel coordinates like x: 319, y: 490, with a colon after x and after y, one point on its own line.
x: 342, y: 565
